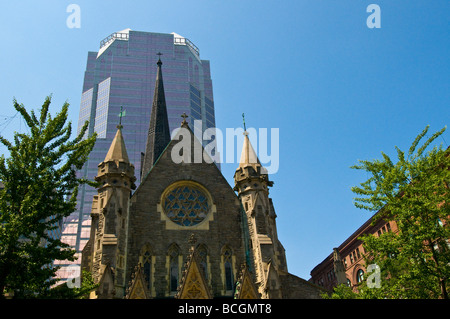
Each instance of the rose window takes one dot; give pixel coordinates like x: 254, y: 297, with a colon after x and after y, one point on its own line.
x: 186, y: 205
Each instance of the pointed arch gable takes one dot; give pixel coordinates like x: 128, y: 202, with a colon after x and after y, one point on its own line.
x: 193, y: 284
x: 225, y: 248
x: 138, y: 288
x: 245, y: 287
x: 147, y: 247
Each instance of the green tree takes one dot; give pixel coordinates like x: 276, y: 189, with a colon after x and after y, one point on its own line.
x: 341, y: 292
x: 413, y: 192
x: 63, y: 291
x: 40, y: 188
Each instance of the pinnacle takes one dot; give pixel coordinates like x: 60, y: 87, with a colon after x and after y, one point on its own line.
x: 117, y: 150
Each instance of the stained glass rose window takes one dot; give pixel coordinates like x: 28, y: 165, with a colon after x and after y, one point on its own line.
x: 186, y: 205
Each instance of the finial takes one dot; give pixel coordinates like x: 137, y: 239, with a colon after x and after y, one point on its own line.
x: 121, y: 114
x: 159, y: 58
x: 184, y: 116
x: 192, y: 239
x: 245, y: 128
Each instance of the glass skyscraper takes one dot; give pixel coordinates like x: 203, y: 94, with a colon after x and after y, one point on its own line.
x: 122, y: 74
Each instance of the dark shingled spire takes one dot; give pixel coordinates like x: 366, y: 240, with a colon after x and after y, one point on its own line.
x: 158, y: 132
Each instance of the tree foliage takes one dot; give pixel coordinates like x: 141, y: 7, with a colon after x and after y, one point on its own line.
x: 64, y: 291
x: 413, y: 192
x: 40, y: 188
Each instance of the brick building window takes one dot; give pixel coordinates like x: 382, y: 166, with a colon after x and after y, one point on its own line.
x: 320, y: 282
x: 359, y: 276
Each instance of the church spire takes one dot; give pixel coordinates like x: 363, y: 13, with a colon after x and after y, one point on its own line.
x: 158, y: 132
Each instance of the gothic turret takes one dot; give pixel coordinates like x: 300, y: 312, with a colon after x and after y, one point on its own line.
x: 105, y: 251
x: 252, y: 184
x: 158, y: 131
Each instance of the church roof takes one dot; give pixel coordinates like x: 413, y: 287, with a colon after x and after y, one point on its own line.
x: 117, y: 150
x: 184, y: 132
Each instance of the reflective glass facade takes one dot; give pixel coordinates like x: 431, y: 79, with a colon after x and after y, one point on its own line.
x: 123, y: 73
x: 101, y: 111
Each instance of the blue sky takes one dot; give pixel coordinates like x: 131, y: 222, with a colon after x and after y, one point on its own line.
x: 337, y: 90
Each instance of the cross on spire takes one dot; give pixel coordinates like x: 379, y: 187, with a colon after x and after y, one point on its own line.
x: 243, y: 119
x: 184, y: 116
x: 159, y: 57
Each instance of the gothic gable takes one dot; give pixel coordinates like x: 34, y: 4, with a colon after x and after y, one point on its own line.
x: 193, y: 284
x: 245, y: 288
x: 183, y: 152
x: 273, y: 283
x: 138, y: 289
x: 106, y: 287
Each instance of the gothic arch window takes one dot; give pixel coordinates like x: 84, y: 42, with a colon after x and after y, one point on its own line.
x: 227, y: 260
x: 202, y: 253
x: 146, y: 259
x: 174, y: 267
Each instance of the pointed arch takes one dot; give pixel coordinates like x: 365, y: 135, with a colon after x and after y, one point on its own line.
x: 174, y: 263
x: 203, y: 259
x: 147, y: 262
x: 227, y: 267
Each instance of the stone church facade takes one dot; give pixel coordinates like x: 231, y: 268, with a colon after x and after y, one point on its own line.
x: 185, y: 232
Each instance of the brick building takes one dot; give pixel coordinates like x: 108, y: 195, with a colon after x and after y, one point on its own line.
x: 346, y: 263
